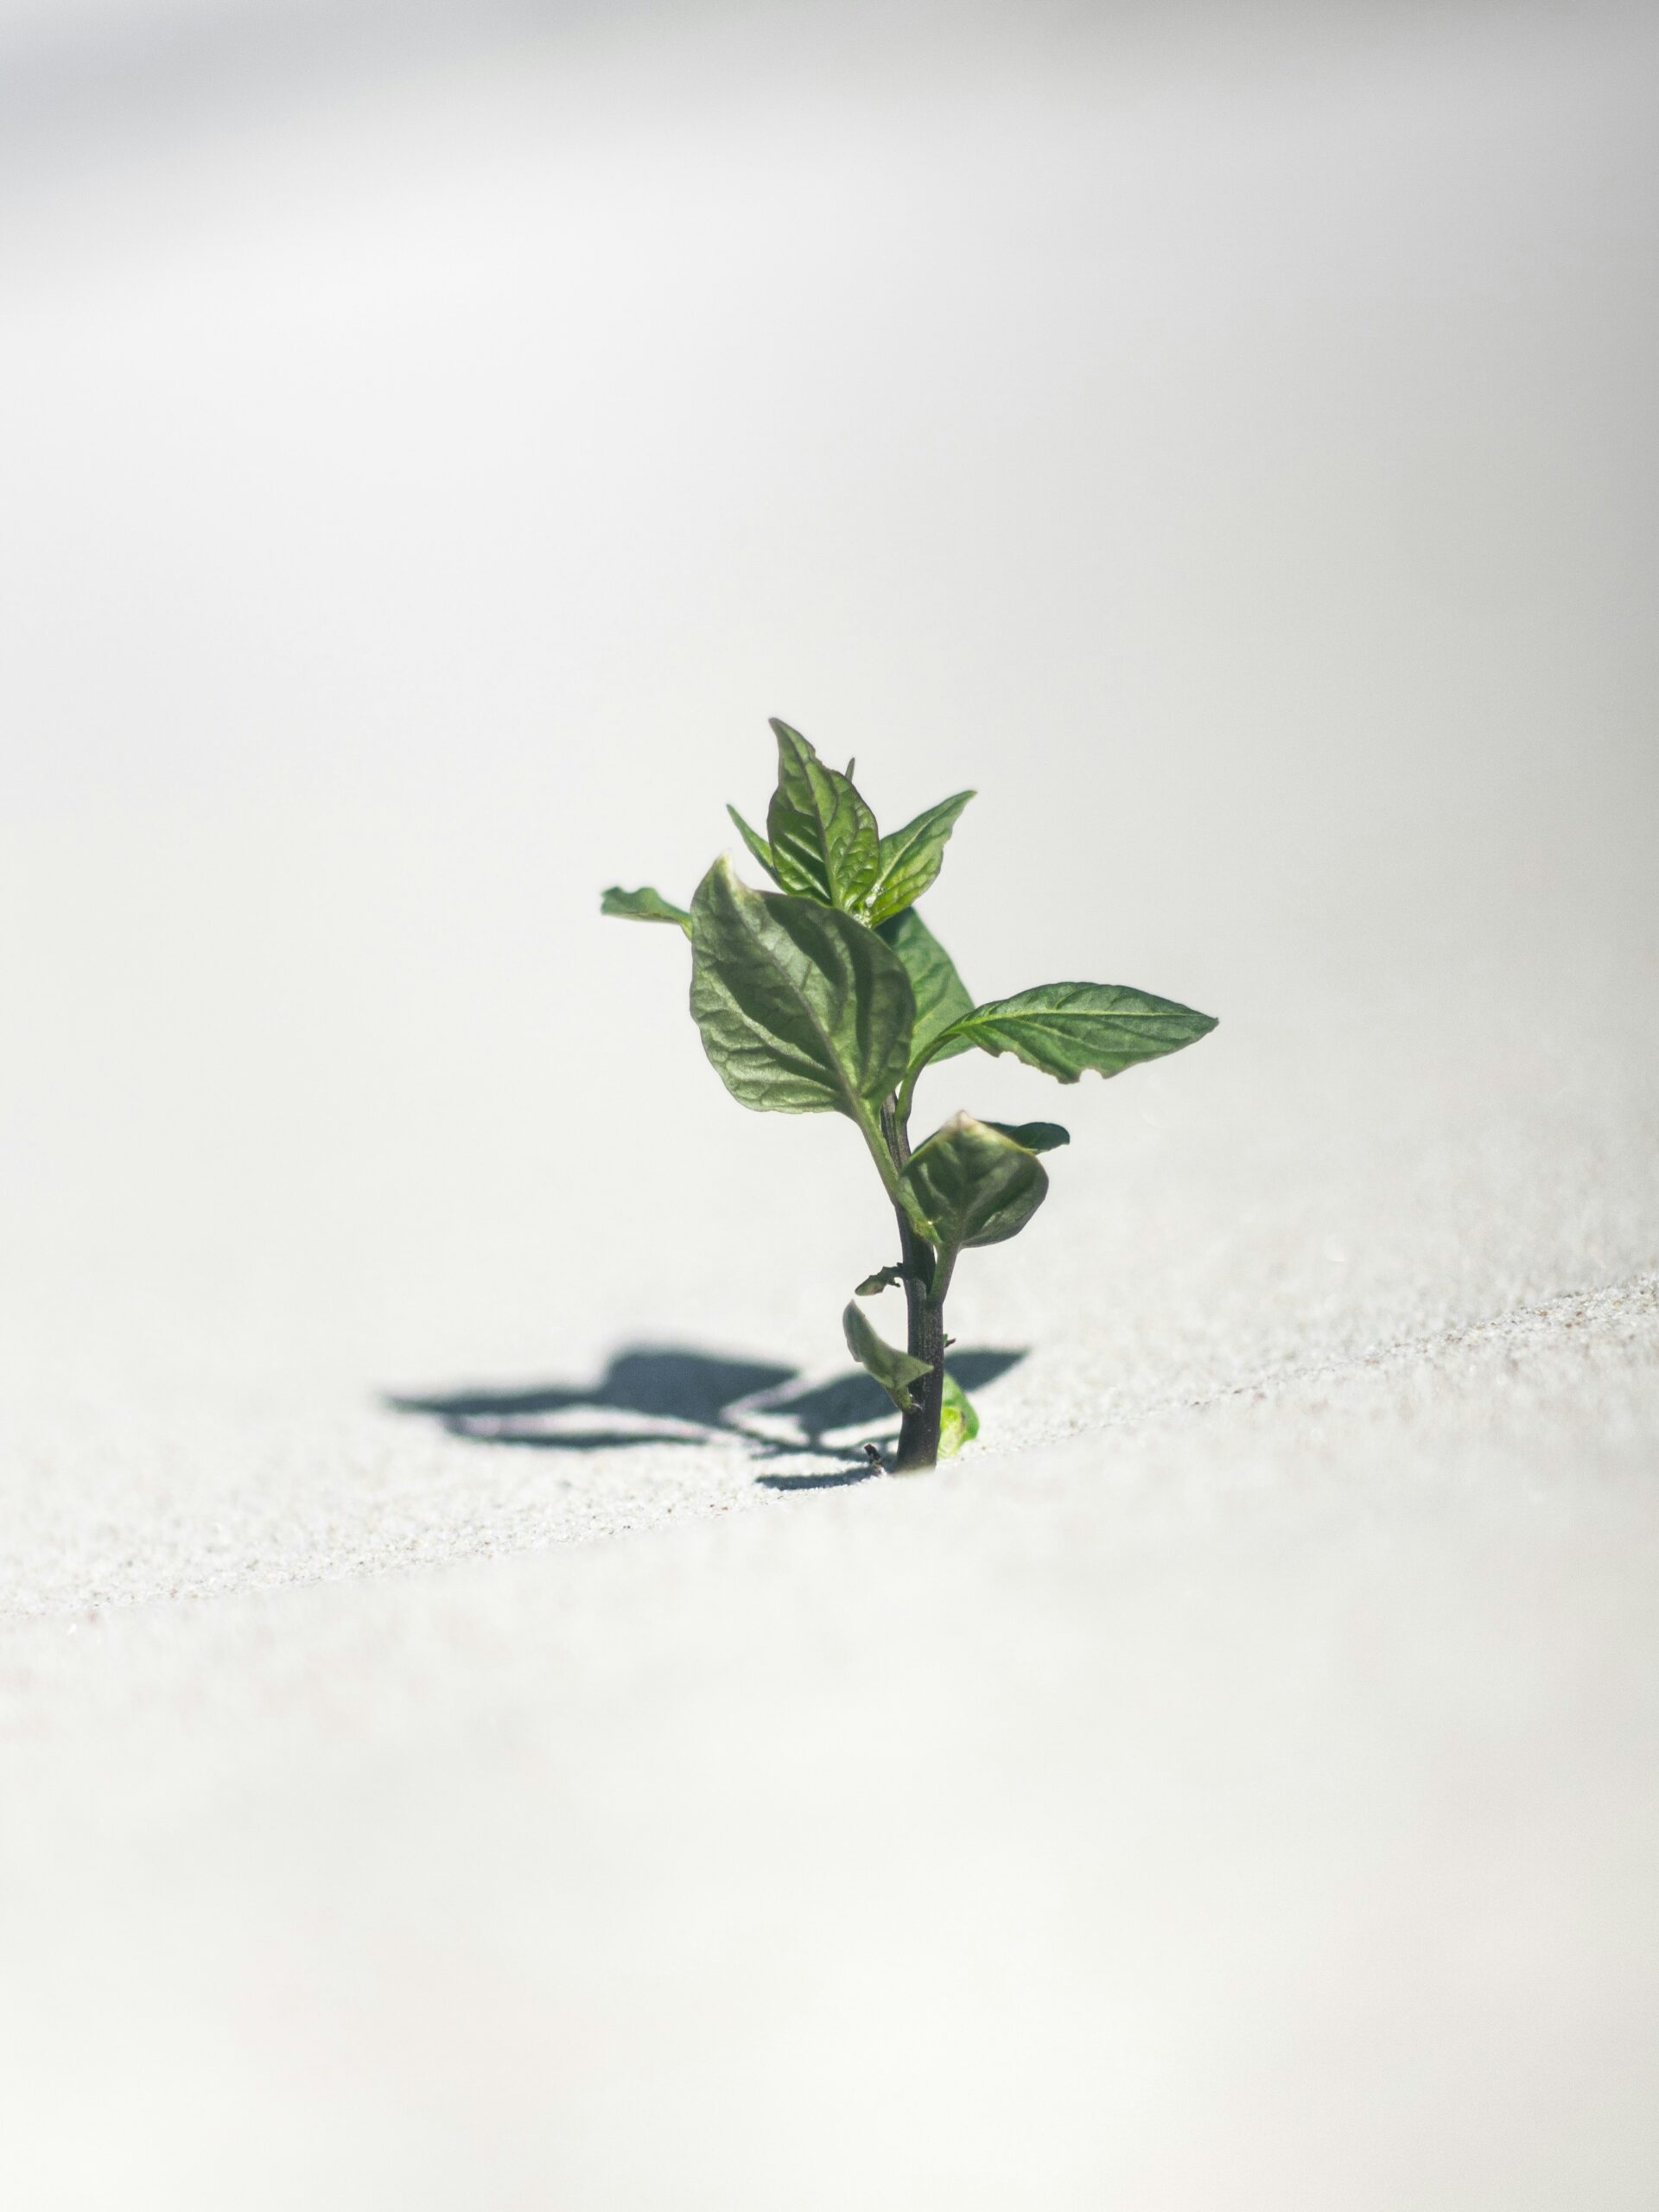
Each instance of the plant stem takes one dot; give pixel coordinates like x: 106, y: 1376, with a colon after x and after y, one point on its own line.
x: 918, y: 1432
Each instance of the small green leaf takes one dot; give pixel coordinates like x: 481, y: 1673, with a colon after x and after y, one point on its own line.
x: 894, y: 1369
x: 824, y: 843
x: 958, y: 1422
x: 942, y: 997
x: 883, y: 1279
x: 1036, y: 1136
x: 802, y: 1009
x: 643, y: 905
x: 1064, y: 1028
x: 970, y: 1185
x: 911, y: 857
x: 757, y: 844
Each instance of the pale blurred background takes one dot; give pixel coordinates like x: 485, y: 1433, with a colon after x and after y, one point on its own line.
x: 436, y: 438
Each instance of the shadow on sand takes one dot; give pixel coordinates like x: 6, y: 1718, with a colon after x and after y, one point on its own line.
x: 690, y: 1397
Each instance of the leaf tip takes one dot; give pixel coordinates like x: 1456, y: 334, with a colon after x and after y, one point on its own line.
x: 645, y: 904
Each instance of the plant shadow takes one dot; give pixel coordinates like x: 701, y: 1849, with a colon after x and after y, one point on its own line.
x: 692, y: 1397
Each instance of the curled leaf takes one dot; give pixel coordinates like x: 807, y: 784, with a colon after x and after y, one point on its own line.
x: 757, y: 844
x: 1036, y: 1136
x: 883, y: 1279
x: 958, y: 1422
x: 971, y: 1185
x: 894, y: 1369
x: 643, y: 905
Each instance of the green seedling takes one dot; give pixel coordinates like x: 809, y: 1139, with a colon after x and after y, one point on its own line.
x: 830, y: 994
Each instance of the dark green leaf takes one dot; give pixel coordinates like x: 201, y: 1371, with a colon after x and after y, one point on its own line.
x: 883, y: 1279
x: 643, y: 905
x: 1036, y: 1136
x: 958, y: 1422
x: 824, y: 844
x: 894, y: 1369
x: 970, y: 1185
x: 756, y: 843
x: 941, y: 995
x: 802, y: 1009
x: 911, y: 857
x: 1064, y: 1028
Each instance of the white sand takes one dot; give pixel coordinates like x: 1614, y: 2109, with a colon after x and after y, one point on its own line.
x: 1235, y: 1784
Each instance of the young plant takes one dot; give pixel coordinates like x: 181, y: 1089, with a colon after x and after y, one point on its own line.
x: 830, y: 994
